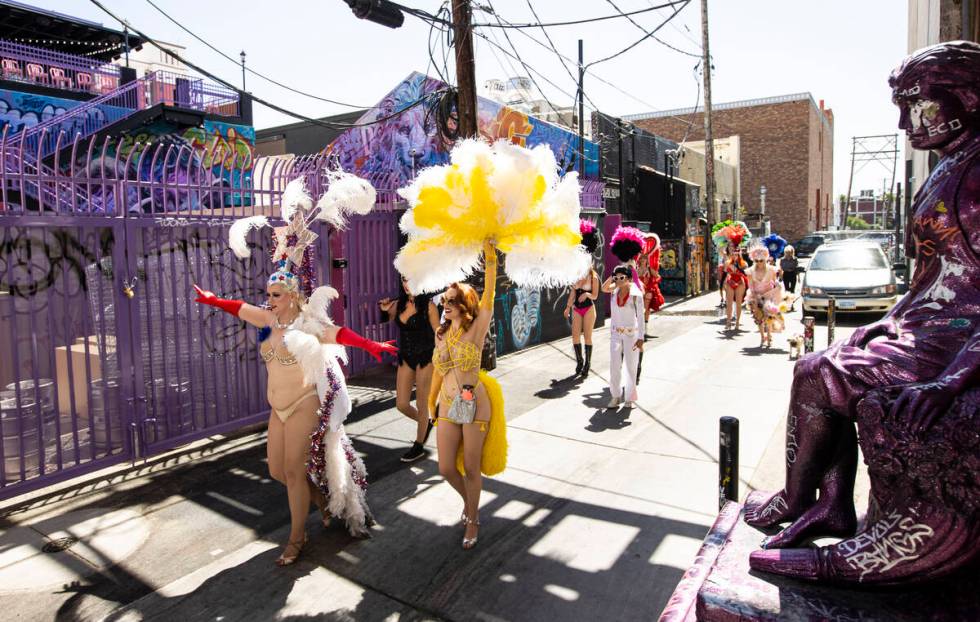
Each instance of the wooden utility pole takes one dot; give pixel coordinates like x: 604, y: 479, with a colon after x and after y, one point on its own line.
x: 465, y: 68
x: 581, y: 110
x: 709, y: 146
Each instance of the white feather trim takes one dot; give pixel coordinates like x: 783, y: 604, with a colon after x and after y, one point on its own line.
x: 318, y: 305
x: 238, y: 234
x: 347, y: 499
x: 295, y: 197
x: 309, y: 353
x: 346, y: 195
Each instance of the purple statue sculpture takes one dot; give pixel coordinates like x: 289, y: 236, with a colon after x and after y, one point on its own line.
x: 911, y: 382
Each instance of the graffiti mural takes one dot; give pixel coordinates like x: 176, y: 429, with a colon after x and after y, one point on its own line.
x: 672, y: 268
x: 394, y: 149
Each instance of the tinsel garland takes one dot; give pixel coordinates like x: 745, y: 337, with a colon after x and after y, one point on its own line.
x: 317, y: 465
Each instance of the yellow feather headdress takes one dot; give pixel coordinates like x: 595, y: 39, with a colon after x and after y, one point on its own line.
x: 504, y: 193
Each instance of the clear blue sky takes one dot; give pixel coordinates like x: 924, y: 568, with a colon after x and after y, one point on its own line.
x: 839, y: 50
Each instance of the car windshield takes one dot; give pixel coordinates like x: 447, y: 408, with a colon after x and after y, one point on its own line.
x: 808, y: 244
x: 849, y: 259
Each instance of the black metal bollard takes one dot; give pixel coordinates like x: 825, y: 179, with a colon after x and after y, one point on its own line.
x: 831, y: 320
x: 809, y: 322
x: 727, y: 460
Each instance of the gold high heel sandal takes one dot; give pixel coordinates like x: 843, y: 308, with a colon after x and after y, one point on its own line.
x: 288, y: 560
x: 469, y: 543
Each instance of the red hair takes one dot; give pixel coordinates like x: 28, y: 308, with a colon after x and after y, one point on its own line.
x: 468, y: 308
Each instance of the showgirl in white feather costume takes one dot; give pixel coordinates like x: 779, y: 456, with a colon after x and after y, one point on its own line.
x: 308, y: 449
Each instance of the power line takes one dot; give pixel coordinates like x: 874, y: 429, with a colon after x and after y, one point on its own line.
x: 597, y: 77
x: 521, y: 61
x: 264, y: 102
x: 644, y: 37
x: 249, y: 69
x: 695, y: 42
x: 655, y: 38
x: 423, y: 15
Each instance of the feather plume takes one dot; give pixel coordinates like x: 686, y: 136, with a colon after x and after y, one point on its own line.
x: 346, y: 195
x: 505, y: 193
x: 238, y: 234
x: 309, y: 352
x: 295, y: 197
x: 626, y: 243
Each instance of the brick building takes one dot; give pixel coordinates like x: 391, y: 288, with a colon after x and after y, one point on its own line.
x: 786, y: 145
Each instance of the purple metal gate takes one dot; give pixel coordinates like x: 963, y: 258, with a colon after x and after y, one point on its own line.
x: 374, y: 240
x: 104, y: 356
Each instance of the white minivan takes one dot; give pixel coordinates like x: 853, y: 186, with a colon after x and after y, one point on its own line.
x: 855, y: 273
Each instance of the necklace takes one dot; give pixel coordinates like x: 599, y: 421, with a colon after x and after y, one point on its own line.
x: 280, y: 326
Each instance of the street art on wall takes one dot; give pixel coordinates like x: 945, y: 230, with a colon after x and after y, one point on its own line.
x: 672, y: 268
x: 391, y: 148
x: 20, y: 110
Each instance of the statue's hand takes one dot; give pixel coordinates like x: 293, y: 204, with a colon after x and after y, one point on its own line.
x: 921, y: 404
x: 882, y: 328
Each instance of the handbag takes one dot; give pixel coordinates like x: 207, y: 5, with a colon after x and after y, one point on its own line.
x: 462, y: 410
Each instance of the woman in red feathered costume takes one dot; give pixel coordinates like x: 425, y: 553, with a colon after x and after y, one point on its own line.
x: 648, y: 269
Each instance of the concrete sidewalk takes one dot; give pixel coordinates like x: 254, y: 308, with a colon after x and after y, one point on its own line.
x: 597, y: 516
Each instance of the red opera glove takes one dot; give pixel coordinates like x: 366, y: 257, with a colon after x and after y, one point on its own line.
x: 208, y: 298
x: 347, y: 337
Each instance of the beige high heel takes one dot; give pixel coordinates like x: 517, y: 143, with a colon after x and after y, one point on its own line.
x: 469, y: 543
x: 288, y: 560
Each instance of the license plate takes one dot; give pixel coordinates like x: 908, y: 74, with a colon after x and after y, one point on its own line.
x: 846, y: 304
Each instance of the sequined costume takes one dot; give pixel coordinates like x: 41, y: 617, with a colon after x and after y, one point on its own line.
x: 457, y: 354
x: 765, y: 299
x: 416, y: 340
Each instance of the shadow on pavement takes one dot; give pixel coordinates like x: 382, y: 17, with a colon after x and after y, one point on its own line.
x: 609, y: 419
x: 560, y: 387
x: 537, y: 552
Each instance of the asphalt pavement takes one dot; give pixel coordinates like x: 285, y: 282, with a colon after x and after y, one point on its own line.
x: 597, y: 516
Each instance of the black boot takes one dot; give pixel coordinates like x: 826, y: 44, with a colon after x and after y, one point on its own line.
x: 588, y: 360
x: 578, y: 358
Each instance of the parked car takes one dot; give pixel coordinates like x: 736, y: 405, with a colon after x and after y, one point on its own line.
x: 806, y: 246
x: 855, y: 273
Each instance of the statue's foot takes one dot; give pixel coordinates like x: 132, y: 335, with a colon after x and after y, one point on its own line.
x: 825, y: 519
x: 766, y: 509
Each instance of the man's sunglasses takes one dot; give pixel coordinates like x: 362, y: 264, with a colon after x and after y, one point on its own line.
x: 620, y: 277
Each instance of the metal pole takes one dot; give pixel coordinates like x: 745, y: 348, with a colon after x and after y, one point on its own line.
x: 850, y: 184
x: 831, y: 320
x: 126, y: 37
x: 809, y: 323
x: 243, y: 70
x: 581, y: 109
x: 727, y: 460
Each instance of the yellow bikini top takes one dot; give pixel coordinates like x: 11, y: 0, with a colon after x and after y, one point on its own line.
x: 462, y: 355
x: 270, y: 352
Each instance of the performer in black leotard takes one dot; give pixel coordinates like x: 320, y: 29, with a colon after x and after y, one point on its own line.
x: 417, y: 318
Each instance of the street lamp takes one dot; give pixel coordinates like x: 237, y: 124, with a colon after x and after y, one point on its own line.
x: 762, y: 199
x: 381, y: 12
x: 243, y: 70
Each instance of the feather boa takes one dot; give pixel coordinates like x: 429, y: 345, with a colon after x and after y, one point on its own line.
x: 505, y: 193
x: 346, y: 195
x: 238, y: 234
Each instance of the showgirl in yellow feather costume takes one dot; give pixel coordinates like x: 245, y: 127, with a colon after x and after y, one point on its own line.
x: 489, y: 197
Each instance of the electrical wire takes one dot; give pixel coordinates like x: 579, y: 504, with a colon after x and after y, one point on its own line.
x: 648, y: 35
x: 533, y: 81
x: 655, y: 38
x: 423, y: 15
x: 591, y: 73
x: 249, y: 69
x: 268, y: 104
